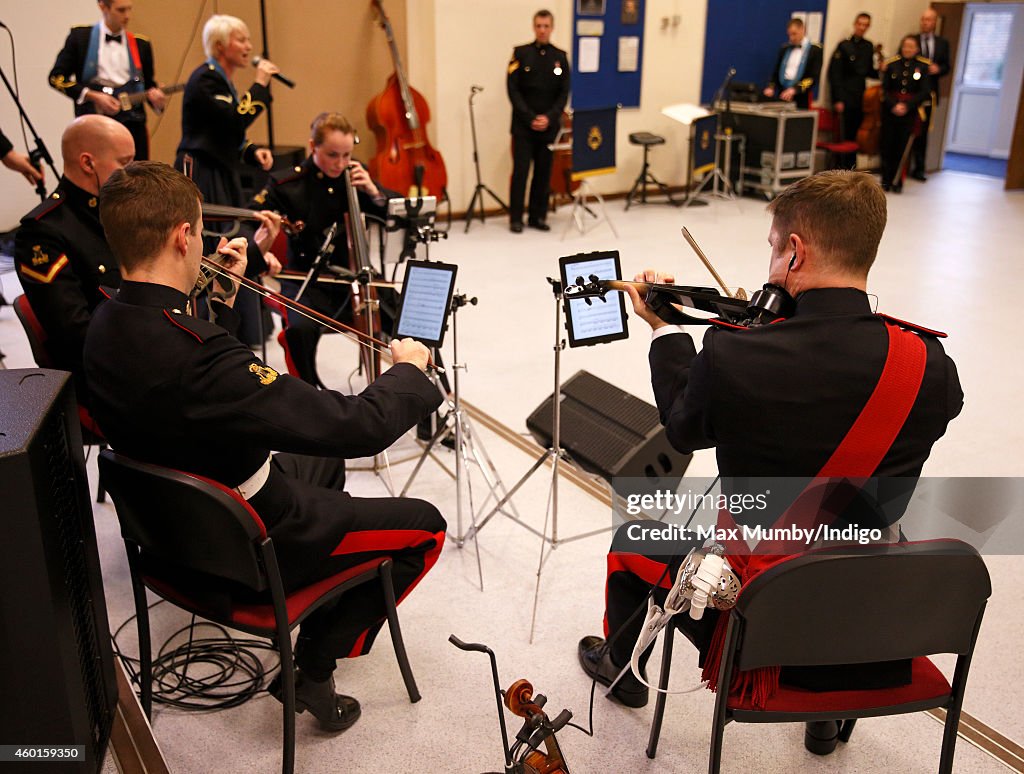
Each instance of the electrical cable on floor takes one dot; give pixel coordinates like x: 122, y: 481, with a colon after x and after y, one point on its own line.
x: 231, y: 674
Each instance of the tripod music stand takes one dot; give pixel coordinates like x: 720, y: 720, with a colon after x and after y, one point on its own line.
x: 468, y: 448
x: 481, y: 189
x: 554, y: 454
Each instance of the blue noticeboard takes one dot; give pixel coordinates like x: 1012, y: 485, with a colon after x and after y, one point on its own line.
x: 747, y: 36
x: 607, y: 86
x: 593, y: 142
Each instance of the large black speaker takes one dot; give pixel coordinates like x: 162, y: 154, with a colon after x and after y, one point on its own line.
x: 610, y: 433
x: 56, y: 662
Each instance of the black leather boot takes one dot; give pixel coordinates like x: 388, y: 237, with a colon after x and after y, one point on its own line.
x: 335, y: 711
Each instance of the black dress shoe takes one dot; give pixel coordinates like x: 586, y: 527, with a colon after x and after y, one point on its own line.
x: 821, y: 736
x: 886, y: 187
x: 540, y: 225
x: 597, y: 663
x: 898, y: 188
x: 919, y: 176
x: 515, y: 227
x: 335, y: 711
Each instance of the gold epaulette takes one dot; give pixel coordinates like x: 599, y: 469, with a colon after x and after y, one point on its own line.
x: 892, y: 59
x: 923, y: 59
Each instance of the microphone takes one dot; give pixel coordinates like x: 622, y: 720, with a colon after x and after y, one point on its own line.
x: 475, y: 89
x: 276, y: 76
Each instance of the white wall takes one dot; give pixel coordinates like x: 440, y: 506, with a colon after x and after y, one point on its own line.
x: 473, y: 47
x: 37, y: 41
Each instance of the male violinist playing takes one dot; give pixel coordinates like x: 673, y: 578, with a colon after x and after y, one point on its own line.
x: 779, y: 400
x: 174, y: 390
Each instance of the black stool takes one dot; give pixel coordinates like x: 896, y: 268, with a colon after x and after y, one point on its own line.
x: 645, y: 178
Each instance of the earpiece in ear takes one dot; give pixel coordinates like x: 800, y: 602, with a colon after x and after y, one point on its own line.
x: 792, y: 260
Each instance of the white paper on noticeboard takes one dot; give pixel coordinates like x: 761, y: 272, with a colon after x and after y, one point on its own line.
x: 629, y: 54
x: 590, y: 55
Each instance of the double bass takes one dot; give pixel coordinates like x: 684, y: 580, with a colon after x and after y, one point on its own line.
x: 405, y: 160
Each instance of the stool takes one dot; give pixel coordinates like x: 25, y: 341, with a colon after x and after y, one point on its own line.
x: 645, y: 178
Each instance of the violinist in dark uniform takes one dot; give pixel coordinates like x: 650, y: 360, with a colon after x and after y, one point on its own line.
x: 780, y: 400
x: 797, y: 68
x: 538, y: 87
x: 174, y: 390
x: 60, y: 250
x: 905, y: 86
x: 214, y: 119
x: 107, y: 53
x: 314, y: 194
x: 852, y: 63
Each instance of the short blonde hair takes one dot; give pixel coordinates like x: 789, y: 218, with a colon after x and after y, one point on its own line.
x: 217, y: 31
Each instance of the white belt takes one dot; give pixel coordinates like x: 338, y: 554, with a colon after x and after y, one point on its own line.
x: 252, y: 485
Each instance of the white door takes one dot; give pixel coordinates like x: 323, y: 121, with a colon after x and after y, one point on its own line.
x: 987, y: 80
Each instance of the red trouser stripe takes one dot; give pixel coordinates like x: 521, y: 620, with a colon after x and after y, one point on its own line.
x: 413, y: 537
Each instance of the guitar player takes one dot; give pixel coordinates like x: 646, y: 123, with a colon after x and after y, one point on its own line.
x: 106, y: 54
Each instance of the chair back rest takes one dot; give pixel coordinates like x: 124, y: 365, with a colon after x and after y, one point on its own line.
x: 866, y: 604
x: 33, y: 331
x: 185, y: 520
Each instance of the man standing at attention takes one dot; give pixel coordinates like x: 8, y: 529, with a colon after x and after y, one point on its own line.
x: 538, y: 87
x: 851, y: 65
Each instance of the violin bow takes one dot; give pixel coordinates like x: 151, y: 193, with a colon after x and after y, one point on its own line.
x: 740, y: 293
x: 361, y: 337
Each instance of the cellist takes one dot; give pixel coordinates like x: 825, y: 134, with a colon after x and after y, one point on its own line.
x: 315, y: 194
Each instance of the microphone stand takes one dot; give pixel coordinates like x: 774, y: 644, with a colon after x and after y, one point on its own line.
x: 40, y: 152
x: 325, y: 250
x: 481, y: 189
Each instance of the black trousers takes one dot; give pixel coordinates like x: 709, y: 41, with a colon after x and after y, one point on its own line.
x: 141, y: 137
x: 896, y: 131
x: 410, y: 531
x: 849, y: 122
x: 527, y: 149
x: 919, y: 153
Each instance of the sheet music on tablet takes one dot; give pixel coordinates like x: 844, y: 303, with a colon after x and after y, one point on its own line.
x: 600, y: 321
x: 425, y: 302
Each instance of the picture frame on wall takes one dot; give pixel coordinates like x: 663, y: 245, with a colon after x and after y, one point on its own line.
x: 630, y: 11
x: 590, y: 7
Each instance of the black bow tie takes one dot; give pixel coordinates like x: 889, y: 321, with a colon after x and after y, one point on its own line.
x: 113, y: 39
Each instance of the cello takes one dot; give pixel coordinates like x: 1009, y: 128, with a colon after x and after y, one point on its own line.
x: 405, y: 160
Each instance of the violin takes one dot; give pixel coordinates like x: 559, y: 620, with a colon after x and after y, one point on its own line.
x: 213, y: 213
x: 210, y: 269
x: 405, y: 160
x: 525, y: 757
x: 765, y: 306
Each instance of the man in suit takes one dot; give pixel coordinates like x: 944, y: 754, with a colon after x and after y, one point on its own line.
x: 107, y: 53
x: 935, y: 49
x: 851, y: 64
x: 538, y: 87
x: 797, y: 68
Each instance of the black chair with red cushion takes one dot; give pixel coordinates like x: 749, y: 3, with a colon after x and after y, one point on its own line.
x: 178, y: 525
x: 866, y: 605
x: 827, y: 128
x: 36, y: 335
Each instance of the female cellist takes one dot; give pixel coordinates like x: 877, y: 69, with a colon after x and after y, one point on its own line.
x: 315, y: 194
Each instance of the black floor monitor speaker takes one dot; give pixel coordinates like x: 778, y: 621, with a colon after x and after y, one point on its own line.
x: 56, y: 662
x: 610, y: 433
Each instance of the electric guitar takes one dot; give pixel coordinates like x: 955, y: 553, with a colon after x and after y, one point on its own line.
x: 131, y: 94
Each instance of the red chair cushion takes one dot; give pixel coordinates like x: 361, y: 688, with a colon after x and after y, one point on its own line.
x: 927, y: 682
x: 846, y: 146
x: 261, y: 616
